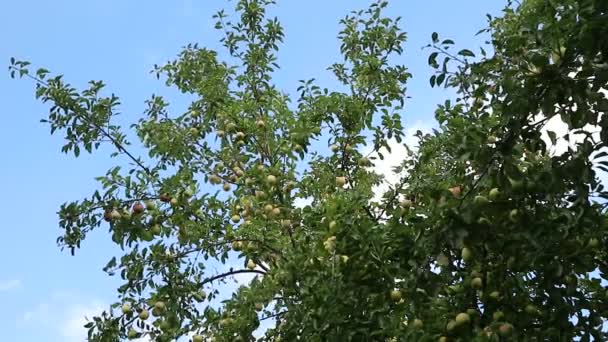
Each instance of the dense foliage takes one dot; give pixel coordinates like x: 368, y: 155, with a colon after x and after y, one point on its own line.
x: 487, y: 236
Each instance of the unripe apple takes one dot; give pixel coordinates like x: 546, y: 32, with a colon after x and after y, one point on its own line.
x: 285, y: 223
x: 220, y: 133
x: 260, y: 194
x: 492, y: 139
x: 250, y: 264
x: 215, y: 179
x: 494, y: 295
x: 480, y: 200
x: 114, y: 215
x: 276, y: 211
x: 593, y: 243
x: 417, y: 324
x: 298, y: 148
x: 395, y: 295
x: 174, y: 202
x: 160, y: 306
x: 477, y: 283
x: 260, y: 123
x: 330, y: 244
x: 443, y: 339
x: 132, y: 334
x: 472, y: 312
x: 156, y: 229
x: 198, y: 338
x: 494, y: 194
x: 138, y: 208
x: 505, y: 329
x: 363, y: 161
x: 451, y: 325
x: 249, y: 181
x: 463, y: 318
x: 498, y: 315
x: 150, y: 205
x: 333, y: 225
x: 271, y: 180
x: 268, y: 208
x: 226, y: 187
x: 334, y: 148
x: 344, y: 258
x: 237, y: 245
x: 126, y: 308
x: 164, y: 325
x: 456, y: 191
x: 406, y: 203
x: 348, y: 148
x: 531, y: 309
x: 258, y: 306
x: 466, y: 254
x: 230, y: 126
x: 144, y: 314
x: 516, y: 185
x: 514, y: 215
x: 239, y: 136
x: 235, y: 218
x: 340, y: 181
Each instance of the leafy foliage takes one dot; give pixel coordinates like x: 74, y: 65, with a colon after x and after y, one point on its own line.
x: 488, y: 235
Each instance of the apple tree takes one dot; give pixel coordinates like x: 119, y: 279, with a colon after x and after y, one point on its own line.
x: 489, y: 234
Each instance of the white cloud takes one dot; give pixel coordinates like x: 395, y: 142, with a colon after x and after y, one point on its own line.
x: 72, y: 327
x: 395, y: 157
x: 9, y: 284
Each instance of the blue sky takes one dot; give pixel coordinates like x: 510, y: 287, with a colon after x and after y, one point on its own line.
x: 45, y: 291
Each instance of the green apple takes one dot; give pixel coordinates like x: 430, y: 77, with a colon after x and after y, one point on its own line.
x: 418, y: 324
x: 126, y: 308
x: 480, y: 200
x: 476, y: 283
x: 271, y: 180
x: 251, y: 264
x: 340, y: 181
x: 593, y: 243
x: 531, y: 309
x: 237, y: 245
x: 498, y: 315
x: 494, y: 194
x: 144, y: 314
x: 198, y: 338
x: 156, y: 229
x: 132, y: 334
x: 226, y: 187
x: 150, y: 205
x: 463, y: 318
x: 466, y: 254
x: 395, y: 295
x: 258, y: 306
x: 516, y: 185
x: 514, y: 216
x: 160, y: 306
x: 260, y: 123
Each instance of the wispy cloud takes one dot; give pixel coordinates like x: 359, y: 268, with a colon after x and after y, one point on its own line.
x: 9, y: 284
